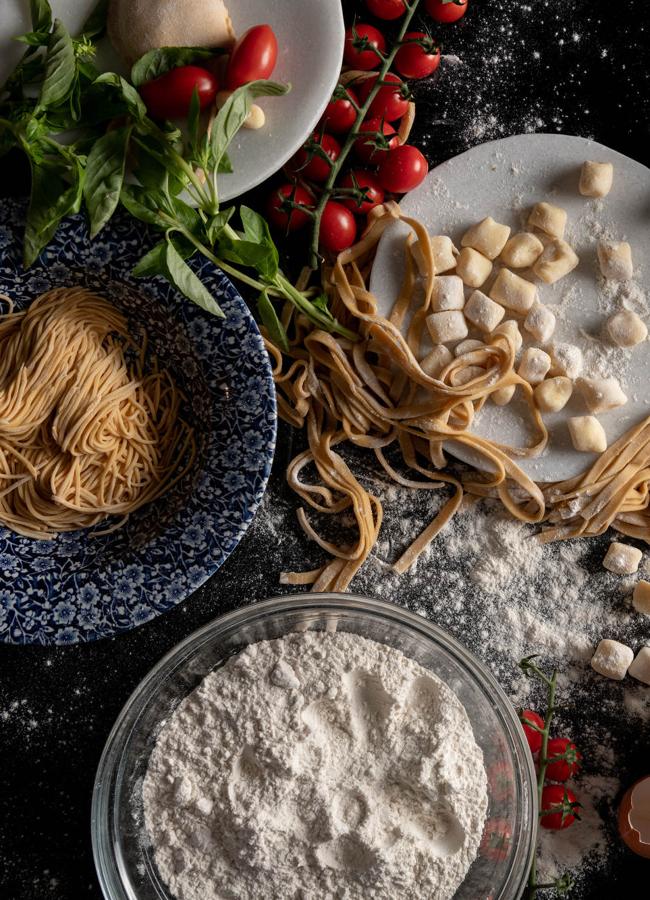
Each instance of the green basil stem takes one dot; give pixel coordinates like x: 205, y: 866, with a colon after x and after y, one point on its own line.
x: 335, y: 169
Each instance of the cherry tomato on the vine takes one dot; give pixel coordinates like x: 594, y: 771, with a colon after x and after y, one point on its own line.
x: 565, y: 760
x: 386, y: 9
x: 419, y: 56
x: 560, y: 807
x: 281, y: 214
x: 366, y: 59
x: 533, y: 736
x: 402, y: 169
x: 367, y: 145
x: 170, y: 95
x: 254, y: 56
x: 447, y: 10
x: 338, y: 229
x: 391, y: 101
x: 340, y: 115
x: 374, y: 192
x: 309, y: 164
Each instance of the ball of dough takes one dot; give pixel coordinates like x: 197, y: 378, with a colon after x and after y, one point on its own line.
x: 615, y: 260
x: 553, y: 394
x: 468, y: 346
x: 503, y: 396
x: 447, y: 326
x: 640, y: 667
x: 548, y: 218
x: 534, y: 365
x: 137, y: 26
x: 587, y: 434
x: 473, y: 267
x: 540, y: 322
x: 612, y: 659
x: 626, y: 329
x: 601, y: 394
x: 521, y: 250
x: 641, y: 597
x: 511, y: 330
x: 488, y: 237
x: 482, y: 312
x: 463, y: 376
x: 596, y: 179
x: 447, y: 293
x: 444, y: 253
x: 556, y: 261
x: 435, y: 361
x: 566, y: 359
x: 513, y: 291
x: 622, y: 559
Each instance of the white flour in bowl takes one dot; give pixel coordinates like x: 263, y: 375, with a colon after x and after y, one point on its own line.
x: 316, y: 765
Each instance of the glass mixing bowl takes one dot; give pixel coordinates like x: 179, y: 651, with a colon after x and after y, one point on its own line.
x: 123, y: 856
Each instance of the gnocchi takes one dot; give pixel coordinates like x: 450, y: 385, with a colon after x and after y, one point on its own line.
x: 436, y: 360
x: 482, y: 312
x: 566, y: 359
x: 640, y: 666
x: 503, y: 396
x: 548, y: 218
x: 513, y: 291
x: 641, y: 597
x: 596, y: 178
x: 511, y: 331
x: 447, y: 293
x: 445, y: 327
x: 556, y: 260
x: 540, y: 322
x: 521, y: 250
x: 615, y: 260
x: 587, y: 434
x: 488, y: 237
x: 612, y: 659
x: 534, y: 365
x: 468, y: 346
x: 601, y: 394
x: 553, y: 394
x: 622, y: 559
x: 626, y: 329
x: 473, y: 267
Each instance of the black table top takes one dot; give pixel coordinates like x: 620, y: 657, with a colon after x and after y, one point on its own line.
x: 540, y: 65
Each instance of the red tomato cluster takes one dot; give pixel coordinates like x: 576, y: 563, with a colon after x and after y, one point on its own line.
x: 444, y: 11
x: 560, y: 807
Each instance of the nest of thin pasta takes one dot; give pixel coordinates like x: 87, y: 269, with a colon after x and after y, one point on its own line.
x: 374, y: 393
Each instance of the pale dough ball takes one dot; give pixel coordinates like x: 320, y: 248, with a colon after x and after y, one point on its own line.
x: 473, y: 267
x: 522, y: 250
x: 641, y: 597
x: 553, y: 394
x: 503, y: 396
x: 612, y: 659
x: 488, y: 237
x: 540, y: 322
x: 511, y: 329
x: 622, y: 559
x: 596, y: 179
x: 256, y: 118
x: 444, y: 253
x: 447, y: 293
x: 534, y: 365
x: 447, y: 326
x: 548, y: 218
x: 640, y: 668
x: 436, y: 360
x: 566, y: 359
x: 587, y: 434
x: 626, y: 329
x: 513, y: 291
x: 556, y: 261
x: 463, y: 376
x: 615, y: 260
x: 601, y: 394
x: 482, y: 312
x: 468, y: 346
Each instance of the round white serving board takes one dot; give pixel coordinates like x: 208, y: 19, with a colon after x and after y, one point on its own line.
x: 310, y: 37
x: 504, y: 179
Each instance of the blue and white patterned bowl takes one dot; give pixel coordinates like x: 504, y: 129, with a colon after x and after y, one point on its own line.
x: 81, y: 587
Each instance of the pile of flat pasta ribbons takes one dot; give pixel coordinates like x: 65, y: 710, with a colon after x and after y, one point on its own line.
x: 89, y: 428
x: 374, y: 393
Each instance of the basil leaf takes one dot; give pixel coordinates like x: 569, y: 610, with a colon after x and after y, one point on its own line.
x: 155, y: 261
x: 271, y: 322
x: 51, y: 199
x: 34, y: 38
x: 95, y: 25
x: 137, y: 203
x: 248, y: 253
x: 218, y: 222
x: 157, y: 62
x: 105, y: 176
x: 132, y: 100
x: 60, y: 69
x: 188, y: 282
x: 41, y: 13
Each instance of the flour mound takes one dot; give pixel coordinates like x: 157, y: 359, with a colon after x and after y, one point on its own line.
x: 316, y: 765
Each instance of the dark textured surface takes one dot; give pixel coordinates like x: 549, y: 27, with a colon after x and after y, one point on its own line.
x: 544, y: 65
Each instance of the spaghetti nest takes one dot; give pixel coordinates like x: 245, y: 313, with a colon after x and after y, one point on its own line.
x: 375, y: 392
x: 86, y: 431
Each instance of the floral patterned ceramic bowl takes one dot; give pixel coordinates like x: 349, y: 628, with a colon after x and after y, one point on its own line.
x: 80, y: 586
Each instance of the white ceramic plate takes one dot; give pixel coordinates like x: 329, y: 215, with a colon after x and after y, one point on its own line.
x: 504, y: 179
x: 310, y: 36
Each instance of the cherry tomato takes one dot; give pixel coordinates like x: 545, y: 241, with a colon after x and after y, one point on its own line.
x: 447, y: 10
x: 366, y: 147
x: 254, y: 56
x: 402, y: 169
x: 316, y: 168
x: 363, y: 59
x: 390, y: 102
x: 338, y: 229
x: 564, y: 758
x: 419, y: 56
x: 374, y: 191
x: 340, y: 115
x: 289, y: 219
x: 169, y: 96
x: 496, y: 841
x: 386, y: 9
x: 533, y: 736
x: 560, y: 807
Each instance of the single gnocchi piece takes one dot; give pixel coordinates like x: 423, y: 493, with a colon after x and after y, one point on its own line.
x: 511, y: 329
x: 468, y: 346
x: 612, y: 659
x: 482, y: 312
x: 473, y: 267
x: 601, y: 394
x: 626, y: 329
x: 556, y: 260
x: 587, y: 434
x: 596, y: 178
x: 513, y: 291
x: 447, y: 326
x: 444, y: 253
x: 436, y: 360
x: 640, y: 666
x: 448, y: 293
x: 255, y: 119
x: 566, y: 359
x: 534, y: 365
x: 503, y: 396
x: 615, y: 260
x: 622, y: 559
x: 487, y: 236
x: 548, y: 218
x: 521, y: 250
x: 463, y: 376
x: 641, y: 597
x: 553, y: 394
x: 540, y: 322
